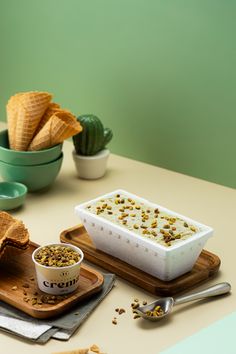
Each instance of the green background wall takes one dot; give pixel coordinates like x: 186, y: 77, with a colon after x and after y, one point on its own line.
x: 160, y: 73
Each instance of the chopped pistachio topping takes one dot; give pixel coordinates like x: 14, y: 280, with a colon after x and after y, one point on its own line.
x: 57, y: 256
x: 152, y: 223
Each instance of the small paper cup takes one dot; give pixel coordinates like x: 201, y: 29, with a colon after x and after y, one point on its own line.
x: 58, y: 280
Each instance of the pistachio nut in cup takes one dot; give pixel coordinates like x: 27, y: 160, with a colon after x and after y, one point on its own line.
x: 58, y: 267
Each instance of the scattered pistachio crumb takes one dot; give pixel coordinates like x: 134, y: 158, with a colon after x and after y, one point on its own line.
x: 136, y: 316
x: 121, y: 311
x: 135, y: 306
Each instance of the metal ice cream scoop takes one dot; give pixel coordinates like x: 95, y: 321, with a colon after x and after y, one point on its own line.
x: 160, y: 308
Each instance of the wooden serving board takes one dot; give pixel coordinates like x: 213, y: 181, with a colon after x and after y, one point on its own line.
x: 206, y: 266
x: 17, y: 270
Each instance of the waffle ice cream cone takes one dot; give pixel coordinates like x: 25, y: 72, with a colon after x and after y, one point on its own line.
x: 52, y: 108
x: 12, y: 110
x: 62, y: 125
x: 26, y: 112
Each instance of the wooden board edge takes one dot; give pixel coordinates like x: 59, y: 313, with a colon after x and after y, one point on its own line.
x: 147, y: 284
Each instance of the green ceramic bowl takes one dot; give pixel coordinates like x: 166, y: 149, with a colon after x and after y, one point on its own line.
x: 12, y: 195
x: 26, y: 157
x: 35, y: 177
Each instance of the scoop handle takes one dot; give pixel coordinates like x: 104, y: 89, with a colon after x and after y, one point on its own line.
x: 218, y: 289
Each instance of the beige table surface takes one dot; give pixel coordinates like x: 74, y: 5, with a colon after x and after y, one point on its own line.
x: 47, y: 214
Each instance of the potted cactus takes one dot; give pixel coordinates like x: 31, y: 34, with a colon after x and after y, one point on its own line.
x: 90, y: 154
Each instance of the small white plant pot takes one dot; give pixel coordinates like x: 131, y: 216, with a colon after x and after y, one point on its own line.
x: 91, y: 167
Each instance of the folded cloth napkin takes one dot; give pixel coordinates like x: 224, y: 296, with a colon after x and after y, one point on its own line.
x: 62, y: 327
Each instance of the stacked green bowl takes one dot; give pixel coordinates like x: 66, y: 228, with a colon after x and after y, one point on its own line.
x: 35, y: 169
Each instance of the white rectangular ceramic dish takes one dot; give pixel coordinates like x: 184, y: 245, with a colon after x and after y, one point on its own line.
x: 156, y: 259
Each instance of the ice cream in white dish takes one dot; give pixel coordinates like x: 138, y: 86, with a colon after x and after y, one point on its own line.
x: 148, y: 236
x: 144, y: 220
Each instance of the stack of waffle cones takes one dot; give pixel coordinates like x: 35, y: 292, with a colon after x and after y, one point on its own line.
x: 36, y: 123
x: 12, y: 233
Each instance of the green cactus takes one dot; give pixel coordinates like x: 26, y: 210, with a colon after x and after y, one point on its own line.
x: 93, y: 137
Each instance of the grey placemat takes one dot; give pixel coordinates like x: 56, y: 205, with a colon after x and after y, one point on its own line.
x: 65, y: 324
x: 40, y: 340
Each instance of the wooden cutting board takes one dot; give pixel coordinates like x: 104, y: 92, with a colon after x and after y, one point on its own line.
x: 206, y: 266
x: 17, y: 276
